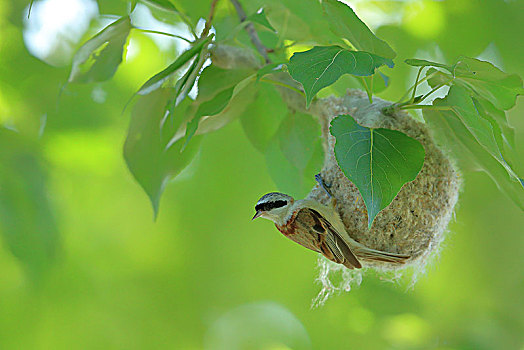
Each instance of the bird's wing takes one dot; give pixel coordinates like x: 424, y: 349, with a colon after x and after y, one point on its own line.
x: 318, y: 231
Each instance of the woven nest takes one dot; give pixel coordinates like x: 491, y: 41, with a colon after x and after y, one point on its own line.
x: 415, y: 222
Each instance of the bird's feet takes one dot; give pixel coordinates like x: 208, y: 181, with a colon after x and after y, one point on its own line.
x: 326, y: 188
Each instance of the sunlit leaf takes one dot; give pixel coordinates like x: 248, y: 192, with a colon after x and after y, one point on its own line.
x: 436, y: 77
x: 452, y: 134
x: 27, y: 222
x: 499, y: 88
x: 99, y: 58
x: 415, y: 62
x: 263, y: 117
x: 345, y: 23
x: 163, y: 4
x: 479, y: 77
x: 208, y: 108
x: 481, y: 126
x: 158, y: 79
x: 146, y: 151
x: 323, y: 65
x: 116, y: 7
x: 214, y: 80
x: 485, y: 108
x: 300, y: 21
x: 216, y: 106
x: 378, y: 161
x: 259, y: 17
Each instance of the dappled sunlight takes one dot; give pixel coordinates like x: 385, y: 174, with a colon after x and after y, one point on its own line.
x: 424, y: 19
x: 55, y: 27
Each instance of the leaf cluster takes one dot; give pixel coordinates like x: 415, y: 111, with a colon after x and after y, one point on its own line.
x: 470, y: 120
x: 241, y: 68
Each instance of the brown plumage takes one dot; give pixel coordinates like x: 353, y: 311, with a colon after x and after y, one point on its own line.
x: 311, y: 230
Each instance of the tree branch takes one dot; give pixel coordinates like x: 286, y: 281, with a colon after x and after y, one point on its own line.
x: 210, y: 18
x: 250, y: 28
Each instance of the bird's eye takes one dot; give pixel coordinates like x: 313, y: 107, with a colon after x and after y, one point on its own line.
x: 270, y: 205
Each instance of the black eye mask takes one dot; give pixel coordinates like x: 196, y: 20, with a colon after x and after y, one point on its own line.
x: 270, y: 205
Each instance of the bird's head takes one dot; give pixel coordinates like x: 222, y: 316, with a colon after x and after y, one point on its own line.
x: 274, y: 206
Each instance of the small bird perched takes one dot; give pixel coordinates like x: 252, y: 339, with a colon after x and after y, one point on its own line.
x: 319, y: 228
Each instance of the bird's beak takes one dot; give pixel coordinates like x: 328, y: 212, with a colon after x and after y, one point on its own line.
x: 257, y: 214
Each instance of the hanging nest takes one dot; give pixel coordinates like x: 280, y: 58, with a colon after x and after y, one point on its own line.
x: 415, y: 222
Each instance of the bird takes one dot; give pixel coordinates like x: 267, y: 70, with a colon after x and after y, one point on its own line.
x: 319, y: 228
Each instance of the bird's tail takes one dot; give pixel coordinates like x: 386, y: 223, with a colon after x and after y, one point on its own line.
x: 365, y: 253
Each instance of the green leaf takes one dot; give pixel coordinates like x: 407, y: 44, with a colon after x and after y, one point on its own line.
x: 225, y: 101
x: 213, y: 80
x: 208, y: 108
x: 486, y: 109
x: 378, y: 161
x: 323, y: 65
x: 296, y: 20
x: 269, y: 68
x: 150, y: 159
x: 451, y: 133
x: 259, y: 17
x: 27, y: 222
x: 486, y: 80
x: 481, y: 78
x: 158, y: 79
x: 98, y: 59
x: 115, y: 7
x: 436, y: 78
x: 162, y: 4
x: 298, y: 135
x: 294, y: 155
x: 415, y: 62
x: 263, y: 117
x: 481, y: 126
x: 345, y: 23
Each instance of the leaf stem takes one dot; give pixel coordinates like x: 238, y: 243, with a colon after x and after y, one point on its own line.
x: 163, y: 33
x: 431, y: 107
x: 368, y: 90
x: 416, y: 85
x: 413, y: 86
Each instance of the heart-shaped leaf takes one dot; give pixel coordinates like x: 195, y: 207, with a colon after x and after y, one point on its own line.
x: 345, y: 23
x: 98, y: 59
x: 378, y: 161
x: 323, y: 65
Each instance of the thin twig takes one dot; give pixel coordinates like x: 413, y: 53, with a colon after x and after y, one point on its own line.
x: 250, y: 28
x: 210, y: 18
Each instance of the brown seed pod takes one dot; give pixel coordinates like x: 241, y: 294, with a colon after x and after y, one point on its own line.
x: 414, y: 223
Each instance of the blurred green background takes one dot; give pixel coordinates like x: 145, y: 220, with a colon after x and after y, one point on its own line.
x: 83, y: 265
